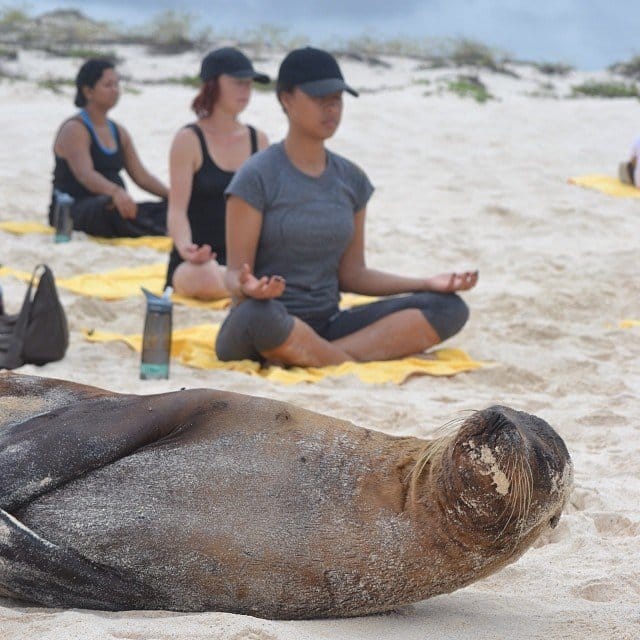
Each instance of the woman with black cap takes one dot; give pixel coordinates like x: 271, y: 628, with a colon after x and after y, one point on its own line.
x: 202, y: 161
x: 295, y: 240
x: 90, y: 151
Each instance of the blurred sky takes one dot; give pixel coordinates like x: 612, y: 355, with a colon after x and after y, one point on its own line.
x: 588, y: 34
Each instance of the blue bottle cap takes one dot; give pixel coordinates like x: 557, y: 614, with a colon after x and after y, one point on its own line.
x: 63, y: 198
x: 162, y: 303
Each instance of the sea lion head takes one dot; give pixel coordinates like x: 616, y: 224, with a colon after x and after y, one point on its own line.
x: 498, y: 482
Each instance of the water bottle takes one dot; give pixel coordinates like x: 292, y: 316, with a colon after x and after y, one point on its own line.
x: 62, y: 217
x: 156, y: 340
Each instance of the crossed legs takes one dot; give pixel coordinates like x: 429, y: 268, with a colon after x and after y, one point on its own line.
x: 395, y: 336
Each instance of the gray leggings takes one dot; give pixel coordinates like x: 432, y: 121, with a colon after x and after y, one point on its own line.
x: 256, y: 326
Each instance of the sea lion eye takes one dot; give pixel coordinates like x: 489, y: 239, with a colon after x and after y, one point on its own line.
x: 553, y: 522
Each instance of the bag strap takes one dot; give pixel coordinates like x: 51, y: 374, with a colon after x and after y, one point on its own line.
x: 13, y: 358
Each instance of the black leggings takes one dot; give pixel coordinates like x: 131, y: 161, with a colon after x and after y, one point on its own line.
x: 97, y: 216
x: 256, y: 326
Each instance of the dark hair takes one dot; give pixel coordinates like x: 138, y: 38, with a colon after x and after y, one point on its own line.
x: 90, y: 72
x: 204, y: 102
x: 284, y: 87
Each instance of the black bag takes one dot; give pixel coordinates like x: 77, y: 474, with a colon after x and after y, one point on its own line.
x: 39, y: 333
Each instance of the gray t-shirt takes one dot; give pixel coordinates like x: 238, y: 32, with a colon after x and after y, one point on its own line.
x: 307, y: 223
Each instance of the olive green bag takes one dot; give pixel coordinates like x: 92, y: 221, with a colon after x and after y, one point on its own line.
x: 39, y: 333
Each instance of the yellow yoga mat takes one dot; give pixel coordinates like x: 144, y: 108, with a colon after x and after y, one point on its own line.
x: 126, y: 282
x: 629, y: 323
x: 193, y: 347
x: 122, y: 283
x: 160, y: 243
x: 606, y: 184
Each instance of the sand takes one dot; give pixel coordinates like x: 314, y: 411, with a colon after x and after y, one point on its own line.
x: 458, y: 185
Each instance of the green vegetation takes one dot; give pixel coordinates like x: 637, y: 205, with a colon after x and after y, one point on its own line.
x: 267, y: 87
x: 170, y: 32
x: 434, y: 53
x: 187, y: 81
x: 553, y: 68
x: 470, y: 87
x: 55, y: 84
x: 60, y: 27
x: 268, y: 37
x: 468, y: 53
x: 631, y: 68
x: 606, y: 90
x: 370, y: 47
x: 12, y: 17
x: 83, y: 53
x: 8, y: 54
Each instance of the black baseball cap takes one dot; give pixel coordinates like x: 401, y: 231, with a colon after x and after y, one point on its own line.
x: 314, y: 71
x: 231, y: 62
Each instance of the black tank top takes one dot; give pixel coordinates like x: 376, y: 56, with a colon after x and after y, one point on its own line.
x: 106, y: 162
x: 206, y: 210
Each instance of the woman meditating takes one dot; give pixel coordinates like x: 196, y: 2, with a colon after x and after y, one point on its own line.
x: 202, y: 161
x: 295, y: 239
x: 90, y: 152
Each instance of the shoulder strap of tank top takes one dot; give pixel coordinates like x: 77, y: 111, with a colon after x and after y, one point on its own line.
x: 84, y: 116
x: 203, y: 143
x: 254, y: 139
x: 115, y: 132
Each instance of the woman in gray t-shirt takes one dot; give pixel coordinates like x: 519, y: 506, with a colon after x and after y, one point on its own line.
x: 295, y: 239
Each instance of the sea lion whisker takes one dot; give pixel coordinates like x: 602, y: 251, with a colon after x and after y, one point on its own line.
x: 529, y: 487
x: 439, y: 442
x: 519, y: 490
x: 523, y: 490
x: 511, y: 504
x: 428, y: 453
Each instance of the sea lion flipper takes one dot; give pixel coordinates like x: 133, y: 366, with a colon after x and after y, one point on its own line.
x: 49, y: 450
x: 23, y: 397
x: 36, y: 570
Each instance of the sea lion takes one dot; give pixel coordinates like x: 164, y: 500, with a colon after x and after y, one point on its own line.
x: 208, y: 500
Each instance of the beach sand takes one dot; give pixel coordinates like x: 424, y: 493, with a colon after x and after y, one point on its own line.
x: 458, y: 185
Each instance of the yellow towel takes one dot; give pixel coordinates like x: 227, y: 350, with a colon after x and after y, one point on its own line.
x: 160, y: 243
x: 194, y: 347
x: 21, y: 275
x: 21, y: 228
x: 122, y: 283
x: 607, y: 184
x: 348, y: 300
x: 126, y: 282
x: 629, y: 324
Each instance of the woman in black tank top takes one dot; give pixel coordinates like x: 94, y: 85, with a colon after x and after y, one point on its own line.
x: 90, y: 152
x: 204, y: 157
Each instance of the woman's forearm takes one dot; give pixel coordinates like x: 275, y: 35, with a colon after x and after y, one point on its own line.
x: 153, y: 185
x: 232, y: 283
x: 179, y: 228
x: 96, y: 183
x: 371, y: 282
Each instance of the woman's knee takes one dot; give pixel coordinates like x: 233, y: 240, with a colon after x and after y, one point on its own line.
x: 448, y: 315
x: 205, y: 281
x: 253, y: 327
